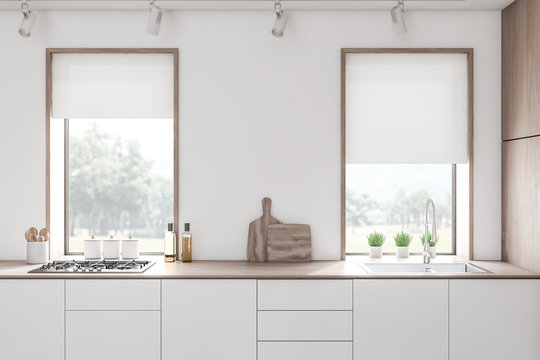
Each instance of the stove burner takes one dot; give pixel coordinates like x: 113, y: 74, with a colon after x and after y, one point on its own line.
x: 104, y: 266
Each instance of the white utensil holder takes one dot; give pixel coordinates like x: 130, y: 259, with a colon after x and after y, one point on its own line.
x: 37, y: 252
x: 130, y: 249
x: 111, y: 249
x: 92, y: 248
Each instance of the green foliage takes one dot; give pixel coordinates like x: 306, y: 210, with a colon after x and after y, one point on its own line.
x: 376, y: 239
x: 402, y: 239
x: 357, y: 209
x: 113, y: 188
x: 431, y: 243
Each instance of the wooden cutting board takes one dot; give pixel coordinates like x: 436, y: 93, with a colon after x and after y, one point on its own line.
x: 257, y: 246
x: 289, y: 243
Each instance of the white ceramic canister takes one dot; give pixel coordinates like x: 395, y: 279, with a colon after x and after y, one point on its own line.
x: 37, y: 252
x: 111, y: 248
x: 130, y: 248
x: 92, y: 248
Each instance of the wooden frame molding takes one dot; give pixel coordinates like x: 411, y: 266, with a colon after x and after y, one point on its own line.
x: 470, y: 125
x: 49, y: 53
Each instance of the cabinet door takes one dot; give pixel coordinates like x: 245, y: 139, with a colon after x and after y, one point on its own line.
x: 32, y: 319
x: 209, y: 319
x: 401, y: 319
x: 520, y: 69
x: 521, y: 203
x: 92, y: 335
x: 494, y: 319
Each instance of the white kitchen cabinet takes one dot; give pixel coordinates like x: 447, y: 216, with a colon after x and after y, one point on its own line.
x: 305, y: 295
x: 404, y: 319
x: 305, y: 351
x: 305, y: 325
x: 112, y: 335
x: 209, y: 319
x: 113, y: 294
x: 32, y: 319
x: 494, y: 319
x: 113, y: 319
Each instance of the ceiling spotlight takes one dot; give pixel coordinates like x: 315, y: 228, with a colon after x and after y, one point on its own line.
x: 154, y: 19
x: 29, y: 18
x: 281, y: 20
x: 398, y: 18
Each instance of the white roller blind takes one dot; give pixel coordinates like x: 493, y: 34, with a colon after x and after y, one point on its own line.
x: 97, y: 86
x: 406, y: 108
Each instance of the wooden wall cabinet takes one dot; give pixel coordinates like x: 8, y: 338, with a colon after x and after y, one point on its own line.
x: 521, y: 203
x: 521, y: 69
x: 521, y: 134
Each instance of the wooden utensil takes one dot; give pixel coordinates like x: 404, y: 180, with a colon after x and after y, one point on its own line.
x: 257, y: 246
x: 289, y: 243
x: 45, y: 233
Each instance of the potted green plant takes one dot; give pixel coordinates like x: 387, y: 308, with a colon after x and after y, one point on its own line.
x: 432, y: 244
x: 402, y: 240
x: 376, y: 241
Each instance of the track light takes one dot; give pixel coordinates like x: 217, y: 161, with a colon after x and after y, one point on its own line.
x: 281, y: 20
x: 29, y: 18
x: 154, y: 19
x: 398, y: 18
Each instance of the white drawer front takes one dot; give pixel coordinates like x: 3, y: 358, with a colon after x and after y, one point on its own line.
x: 92, y: 335
x: 305, y: 325
x: 305, y: 351
x: 91, y: 294
x: 305, y: 295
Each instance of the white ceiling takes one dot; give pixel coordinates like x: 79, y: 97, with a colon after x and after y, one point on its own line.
x: 258, y: 4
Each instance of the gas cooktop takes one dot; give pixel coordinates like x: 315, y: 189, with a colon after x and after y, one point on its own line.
x: 94, y: 266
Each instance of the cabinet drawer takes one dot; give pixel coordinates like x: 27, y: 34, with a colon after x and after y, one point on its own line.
x: 305, y: 325
x: 113, y: 294
x: 305, y: 295
x: 305, y: 350
x: 92, y: 335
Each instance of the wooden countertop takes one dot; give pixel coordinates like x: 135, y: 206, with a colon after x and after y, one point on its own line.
x: 348, y: 269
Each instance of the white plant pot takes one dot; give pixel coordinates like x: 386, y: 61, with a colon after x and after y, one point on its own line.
x: 37, y: 252
x: 433, y: 251
x: 130, y: 249
x: 375, y: 251
x: 111, y: 249
x: 92, y: 248
x: 402, y: 251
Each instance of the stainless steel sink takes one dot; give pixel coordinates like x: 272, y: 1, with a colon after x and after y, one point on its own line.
x: 437, y: 268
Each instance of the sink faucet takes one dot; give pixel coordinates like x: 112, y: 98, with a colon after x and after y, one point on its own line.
x: 425, y: 252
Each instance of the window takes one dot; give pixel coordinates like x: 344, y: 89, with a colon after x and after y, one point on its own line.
x: 406, y: 139
x: 112, y: 146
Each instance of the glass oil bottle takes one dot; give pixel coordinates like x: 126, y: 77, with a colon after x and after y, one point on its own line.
x: 170, y: 244
x: 186, y: 244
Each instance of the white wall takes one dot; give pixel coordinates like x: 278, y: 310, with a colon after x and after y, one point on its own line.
x: 259, y: 116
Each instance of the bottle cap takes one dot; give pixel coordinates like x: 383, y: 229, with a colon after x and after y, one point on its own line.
x: 186, y: 227
x: 170, y: 227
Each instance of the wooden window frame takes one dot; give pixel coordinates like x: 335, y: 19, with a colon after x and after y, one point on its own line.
x: 470, y: 129
x: 49, y: 53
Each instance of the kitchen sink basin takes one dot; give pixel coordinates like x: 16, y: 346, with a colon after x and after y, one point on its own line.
x: 437, y: 268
